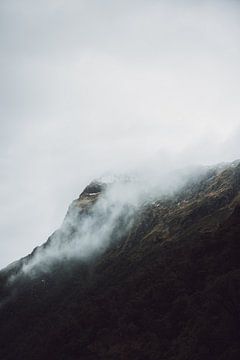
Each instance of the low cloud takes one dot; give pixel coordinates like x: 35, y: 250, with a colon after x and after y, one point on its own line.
x: 96, y: 220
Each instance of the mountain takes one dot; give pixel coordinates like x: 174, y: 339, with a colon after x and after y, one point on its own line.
x: 155, y: 278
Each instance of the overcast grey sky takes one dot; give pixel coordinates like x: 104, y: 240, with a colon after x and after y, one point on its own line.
x: 97, y: 85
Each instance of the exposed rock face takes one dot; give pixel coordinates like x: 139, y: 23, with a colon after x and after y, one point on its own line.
x: 168, y: 289
x: 93, y: 189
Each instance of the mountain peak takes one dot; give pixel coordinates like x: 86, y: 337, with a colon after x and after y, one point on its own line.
x: 160, y: 280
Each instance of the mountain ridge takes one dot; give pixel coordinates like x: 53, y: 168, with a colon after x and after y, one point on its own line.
x: 167, y: 288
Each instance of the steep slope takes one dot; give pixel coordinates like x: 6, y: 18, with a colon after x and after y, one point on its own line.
x: 167, y: 288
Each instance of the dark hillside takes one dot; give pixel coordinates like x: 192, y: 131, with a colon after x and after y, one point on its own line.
x: 169, y: 289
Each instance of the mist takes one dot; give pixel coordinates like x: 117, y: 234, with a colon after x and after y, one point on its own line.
x: 98, y: 87
x: 97, y: 220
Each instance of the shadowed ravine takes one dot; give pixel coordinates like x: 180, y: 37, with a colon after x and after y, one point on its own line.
x: 155, y: 279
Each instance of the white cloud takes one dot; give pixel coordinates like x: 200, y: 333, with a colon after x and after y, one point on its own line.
x: 91, y: 86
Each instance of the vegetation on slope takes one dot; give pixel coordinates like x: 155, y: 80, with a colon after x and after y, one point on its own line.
x: 169, y: 289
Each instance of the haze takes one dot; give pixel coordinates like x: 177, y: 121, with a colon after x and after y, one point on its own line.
x: 90, y: 87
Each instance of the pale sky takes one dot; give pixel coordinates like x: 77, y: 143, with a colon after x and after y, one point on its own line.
x: 95, y: 86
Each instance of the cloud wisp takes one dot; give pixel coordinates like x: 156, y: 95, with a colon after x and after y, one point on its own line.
x: 97, y: 219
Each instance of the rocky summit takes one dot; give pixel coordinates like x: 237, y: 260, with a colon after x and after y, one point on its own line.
x: 157, y: 281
